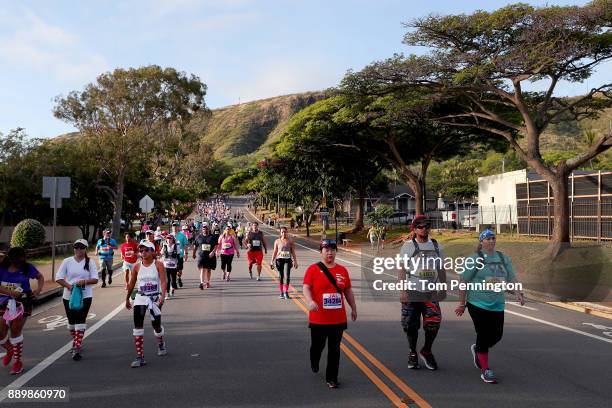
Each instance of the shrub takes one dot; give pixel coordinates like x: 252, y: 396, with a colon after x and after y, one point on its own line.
x: 28, y: 234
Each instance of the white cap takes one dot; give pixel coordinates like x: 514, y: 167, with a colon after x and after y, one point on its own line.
x: 82, y: 242
x: 147, y: 244
x: 184, y: 227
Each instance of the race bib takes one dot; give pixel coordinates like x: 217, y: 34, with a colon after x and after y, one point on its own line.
x: 149, y: 288
x: 427, y: 273
x: 205, y: 247
x: 284, y: 254
x: 11, y: 286
x: 226, y: 245
x: 494, y: 280
x: 332, y: 301
x: 256, y: 243
x: 170, y: 263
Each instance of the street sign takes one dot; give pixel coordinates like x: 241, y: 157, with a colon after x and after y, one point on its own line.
x: 56, y: 188
x: 146, y: 204
x: 324, y: 211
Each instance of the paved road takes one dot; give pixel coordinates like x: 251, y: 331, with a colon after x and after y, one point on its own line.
x: 236, y: 344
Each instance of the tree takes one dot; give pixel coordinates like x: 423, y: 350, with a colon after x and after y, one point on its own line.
x: 488, y: 58
x: 124, y: 112
x: 338, y: 148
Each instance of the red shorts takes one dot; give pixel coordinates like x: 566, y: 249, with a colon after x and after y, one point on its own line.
x: 255, y: 257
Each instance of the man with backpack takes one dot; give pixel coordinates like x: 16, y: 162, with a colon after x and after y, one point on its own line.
x: 426, y: 267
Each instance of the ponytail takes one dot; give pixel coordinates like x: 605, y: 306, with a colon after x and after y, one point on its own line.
x: 86, y: 262
x: 479, y: 247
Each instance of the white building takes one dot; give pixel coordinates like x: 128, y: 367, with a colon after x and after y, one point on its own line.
x: 497, y: 198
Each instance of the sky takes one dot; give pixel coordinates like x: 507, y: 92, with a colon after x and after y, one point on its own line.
x: 241, y: 49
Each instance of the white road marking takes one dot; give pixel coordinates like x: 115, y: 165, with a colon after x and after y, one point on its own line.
x: 54, y: 321
x: 559, y: 326
x: 38, y: 368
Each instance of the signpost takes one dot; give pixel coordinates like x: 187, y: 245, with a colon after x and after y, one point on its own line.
x: 146, y: 205
x: 55, y: 188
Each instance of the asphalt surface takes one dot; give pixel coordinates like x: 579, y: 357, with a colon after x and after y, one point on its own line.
x: 238, y: 345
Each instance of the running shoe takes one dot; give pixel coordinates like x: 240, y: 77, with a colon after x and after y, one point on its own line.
x: 17, y: 368
x: 172, y: 292
x: 474, y: 356
x: 251, y: 274
x: 413, y: 360
x: 428, y: 360
x: 259, y: 278
x: 180, y: 282
x: 287, y: 295
x: 103, y: 284
x: 110, y: 280
x: 488, y: 376
x: 167, y: 297
x: 332, y: 384
x: 161, y: 349
x: 138, y: 362
x: 282, y: 296
x: 201, y: 286
x: 207, y: 285
x: 76, y: 355
x: 6, y: 360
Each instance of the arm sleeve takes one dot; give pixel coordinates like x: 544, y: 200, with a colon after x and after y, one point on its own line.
x: 62, y: 271
x: 308, y: 277
x: 32, y: 271
x: 93, y: 272
x: 510, y: 271
x: 470, y: 271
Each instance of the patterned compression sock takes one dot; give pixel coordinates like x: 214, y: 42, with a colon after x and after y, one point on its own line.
x: 17, y: 343
x: 79, y: 334
x: 138, y: 337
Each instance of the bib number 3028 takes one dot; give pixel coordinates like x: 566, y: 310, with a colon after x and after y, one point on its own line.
x: 332, y: 301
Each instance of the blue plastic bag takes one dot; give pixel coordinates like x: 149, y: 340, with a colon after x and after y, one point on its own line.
x: 76, y: 298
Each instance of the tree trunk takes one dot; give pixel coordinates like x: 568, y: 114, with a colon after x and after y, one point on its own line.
x: 561, y: 230
x: 286, y: 209
x: 307, y: 219
x: 118, y: 204
x: 359, y: 215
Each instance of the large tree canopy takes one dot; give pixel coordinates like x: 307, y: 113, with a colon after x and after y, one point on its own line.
x: 127, y: 112
x: 486, y: 58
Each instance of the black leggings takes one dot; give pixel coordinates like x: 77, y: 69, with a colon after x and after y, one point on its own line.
x: 281, y: 264
x: 333, y: 334
x: 489, y: 327
x: 140, y: 312
x: 226, y: 262
x: 170, y: 278
x: 77, y: 316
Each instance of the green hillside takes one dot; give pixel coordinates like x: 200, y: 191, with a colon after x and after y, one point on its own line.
x: 241, y: 134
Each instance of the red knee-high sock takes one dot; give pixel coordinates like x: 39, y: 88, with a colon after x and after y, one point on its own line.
x: 17, y: 344
x: 160, y: 335
x: 138, y: 337
x: 483, y: 359
x: 9, y: 350
x: 79, y: 334
x: 72, y: 334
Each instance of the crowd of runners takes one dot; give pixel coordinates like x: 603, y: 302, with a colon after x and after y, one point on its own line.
x: 152, y: 270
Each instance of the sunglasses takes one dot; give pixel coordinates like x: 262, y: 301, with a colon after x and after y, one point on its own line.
x: 422, y: 226
x: 145, y: 250
x: 79, y: 247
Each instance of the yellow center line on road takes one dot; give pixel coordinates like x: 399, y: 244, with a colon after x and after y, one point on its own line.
x: 392, y: 396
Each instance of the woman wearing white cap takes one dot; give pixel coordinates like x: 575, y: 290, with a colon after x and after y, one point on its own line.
x: 149, y: 277
x: 77, y: 271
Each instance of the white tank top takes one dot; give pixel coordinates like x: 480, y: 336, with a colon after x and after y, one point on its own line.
x: 147, y: 284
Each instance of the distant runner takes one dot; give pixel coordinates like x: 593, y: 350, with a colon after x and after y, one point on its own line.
x: 255, y: 241
x: 282, y: 255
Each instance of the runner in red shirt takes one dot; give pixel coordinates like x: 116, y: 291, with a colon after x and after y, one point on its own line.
x: 129, y: 256
x: 327, y: 317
